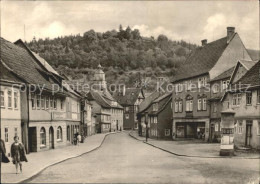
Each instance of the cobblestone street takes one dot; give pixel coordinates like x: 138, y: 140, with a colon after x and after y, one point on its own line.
x: 122, y: 159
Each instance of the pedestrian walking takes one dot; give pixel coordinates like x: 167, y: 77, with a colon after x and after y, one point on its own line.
x: 18, y: 154
x: 3, y: 158
x: 78, y: 139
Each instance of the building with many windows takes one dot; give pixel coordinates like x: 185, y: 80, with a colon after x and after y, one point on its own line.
x: 11, y: 120
x: 130, y: 99
x: 243, y: 97
x: 191, y: 112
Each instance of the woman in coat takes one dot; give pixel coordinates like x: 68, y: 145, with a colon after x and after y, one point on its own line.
x: 4, y: 158
x: 18, y: 153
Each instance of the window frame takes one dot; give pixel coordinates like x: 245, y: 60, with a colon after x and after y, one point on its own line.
x: 59, y: 134
x: 204, y: 104
x: 249, y: 94
x: 47, y: 102
x: 6, y: 134
x: 2, y: 98
x: 38, y: 101
x: 9, y: 99
x: 180, y: 106
x: 16, y: 101
x: 42, y: 137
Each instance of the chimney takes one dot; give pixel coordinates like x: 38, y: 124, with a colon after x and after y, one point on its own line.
x: 230, y: 33
x: 203, y: 42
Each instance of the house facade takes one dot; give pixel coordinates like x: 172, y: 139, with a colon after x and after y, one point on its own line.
x: 160, y: 117
x: 191, y: 112
x: 243, y: 97
x: 11, y: 120
x: 130, y: 99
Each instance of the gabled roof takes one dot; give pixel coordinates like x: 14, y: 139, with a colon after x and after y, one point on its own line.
x: 202, y: 60
x: 168, y: 97
x: 130, y: 97
x: 7, y: 75
x: 252, y: 76
x: 148, y: 101
x: 97, y: 96
x: 247, y: 65
x: 224, y: 75
x: 24, y: 65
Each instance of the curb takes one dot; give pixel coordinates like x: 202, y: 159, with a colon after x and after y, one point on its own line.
x: 191, y: 156
x: 41, y: 170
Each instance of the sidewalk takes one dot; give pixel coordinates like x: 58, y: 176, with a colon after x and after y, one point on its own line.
x: 41, y: 160
x: 192, y: 148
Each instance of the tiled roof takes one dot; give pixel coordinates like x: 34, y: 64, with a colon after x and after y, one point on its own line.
x: 97, y: 96
x: 24, y: 65
x: 224, y: 75
x: 130, y: 97
x: 247, y: 64
x: 252, y: 76
x: 202, y: 60
x: 148, y: 100
x: 162, y: 106
x: 7, y: 75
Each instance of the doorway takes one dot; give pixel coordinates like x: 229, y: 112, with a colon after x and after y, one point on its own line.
x: 248, y: 133
x: 51, y: 138
x: 32, y: 139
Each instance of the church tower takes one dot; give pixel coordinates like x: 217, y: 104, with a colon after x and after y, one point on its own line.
x: 99, y: 79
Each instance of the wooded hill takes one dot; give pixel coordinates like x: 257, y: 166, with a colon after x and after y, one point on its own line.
x: 125, y: 55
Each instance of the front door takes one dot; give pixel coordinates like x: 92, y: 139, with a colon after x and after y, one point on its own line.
x: 180, y: 133
x: 32, y: 136
x: 51, y: 138
x: 248, y: 132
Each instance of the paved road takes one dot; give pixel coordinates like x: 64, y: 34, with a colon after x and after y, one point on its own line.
x: 122, y: 159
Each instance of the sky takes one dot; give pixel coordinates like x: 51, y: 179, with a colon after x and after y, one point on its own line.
x: 191, y: 21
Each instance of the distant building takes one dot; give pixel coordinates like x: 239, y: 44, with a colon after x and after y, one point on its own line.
x: 243, y: 97
x: 130, y: 99
x: 109, y: 114
x: 191, y: 112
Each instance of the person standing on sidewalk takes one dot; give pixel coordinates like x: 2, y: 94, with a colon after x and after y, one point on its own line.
x: 4, y: 158
x: 18, y: 153
x: 78, y: 138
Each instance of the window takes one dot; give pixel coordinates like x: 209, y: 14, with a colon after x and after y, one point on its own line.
x: 204, y: 104
x: 167, y: 132
x: 43, y: 137
x: 180, y: 106
x: 61, y: 104
x: 258, y: 97
x: 47, y: 102
x: 225, y: 84
x: 55, y: 103
x: 2, y: 99
x: 127, y: 116
x: 68, y: 133
x: 155, y: 107
x: 215, y: 88
x: 215, y: 107
x: 216, y: 127
x: 176, y: 107
x: 59, y: 134
x: 126, y: 109
x: 199, y: 83
x: 249, y: 98
x: 189, y: 103
x: 179, y: 87
x: 199, y: 104
x: 51, y: 102
x: 6, y: 134
x: 235, y: 99
x: 258, y: 128
x: 16, y: 100
x: 15, y: 131
x: 189, y: 85
x: 38, y: 101
x: 43, y: 102
x: 33, y: 100
x: 238, y: 98
x: 155, y: 120
x: 240, y: 127
x: 9, y: 99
